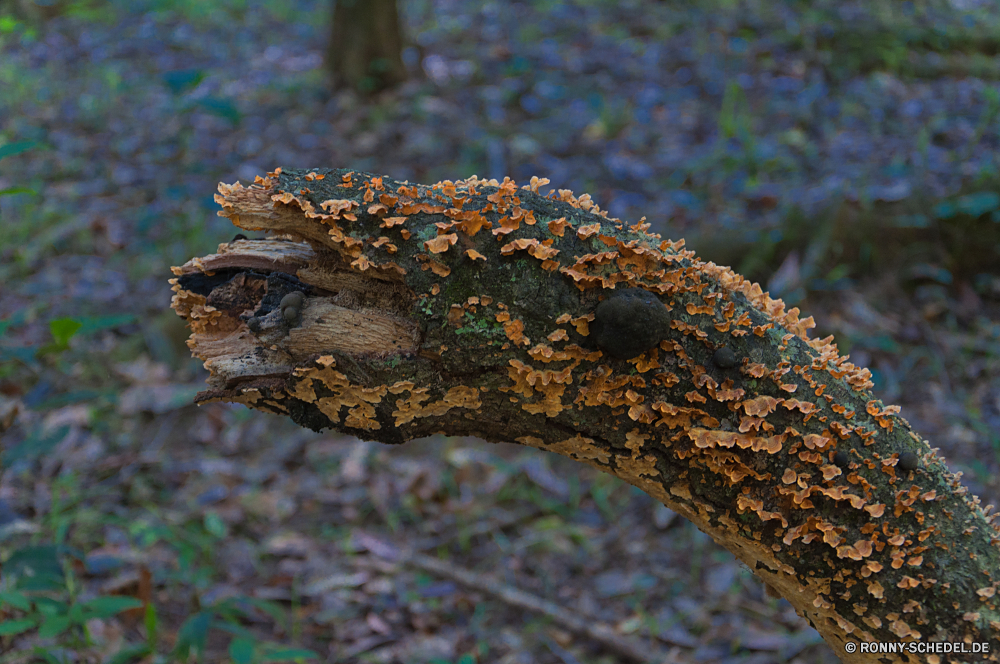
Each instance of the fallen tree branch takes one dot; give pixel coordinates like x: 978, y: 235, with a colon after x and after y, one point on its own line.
x: 393, y: 311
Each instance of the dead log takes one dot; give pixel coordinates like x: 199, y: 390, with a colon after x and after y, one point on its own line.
x: 392, y: 311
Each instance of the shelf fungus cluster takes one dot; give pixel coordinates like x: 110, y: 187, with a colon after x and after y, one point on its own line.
x: 392, y: 311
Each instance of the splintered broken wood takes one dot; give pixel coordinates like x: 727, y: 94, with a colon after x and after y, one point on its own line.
x: 393, y: 311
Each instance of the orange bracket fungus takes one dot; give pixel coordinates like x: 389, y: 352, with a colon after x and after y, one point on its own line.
x: 391, y: 311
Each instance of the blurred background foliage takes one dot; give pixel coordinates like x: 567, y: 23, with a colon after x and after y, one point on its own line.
x: 844, y: 154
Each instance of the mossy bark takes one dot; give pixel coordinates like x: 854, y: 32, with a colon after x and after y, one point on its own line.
x: 465, y: 308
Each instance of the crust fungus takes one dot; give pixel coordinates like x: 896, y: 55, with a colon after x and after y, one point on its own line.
x: 628, y: 323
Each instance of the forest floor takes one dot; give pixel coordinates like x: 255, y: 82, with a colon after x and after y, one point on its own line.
x: 843, y: 154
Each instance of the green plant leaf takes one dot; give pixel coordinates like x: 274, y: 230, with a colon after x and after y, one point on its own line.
x: 151, y: 623
x: 77, y: 614
x: 32, y: 447
x: 11, y: 149
x: 912, y: 221
x: 63, y: 330
x: 54, y: 626
x: 223, y: 625
x: 222, y: 107
x: 25, y: 354
x: 49, y: 607
x: 840, y: 271
x: 288, y: 654
x: 78, y: 396
x: 729, y: 116
x: 192, y: 634
x: 181, y: 80
x: 214, y: 525
x: 36, y: 567
x: 979, y: 203
x: 271, y: 608
x: 8, y: 24
x: 90, y: 324
x: 107, y: 606
x: 44, y: 655
x: 11, y: 627
x: 16, y: 600
x: 945, y: 210
x: 10, y: 191
x: 130, y: 653
x: 241, y: 650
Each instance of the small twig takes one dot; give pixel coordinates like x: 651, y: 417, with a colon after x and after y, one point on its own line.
x: 605, y: 635
x: 480, y: 528
x: 149, y: 451
x: 362, y: 646
x: 566, y: 656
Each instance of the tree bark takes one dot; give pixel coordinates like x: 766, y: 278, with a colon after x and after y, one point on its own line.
x: 365, y: 50
x: 476, y: 308
x: 37, y: 12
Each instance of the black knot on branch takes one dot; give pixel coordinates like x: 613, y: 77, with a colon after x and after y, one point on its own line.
x: 629, y: 323
x: 724, y: 358
x: 908, y: 461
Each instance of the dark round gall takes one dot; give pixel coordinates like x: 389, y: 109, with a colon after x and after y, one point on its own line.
x: 628, y: 323
x: 908, y: 461
x: 724, y: 358
x: 841, y: 458
x: 293, y: 299
x: 290, y: 313
x: 254, y: 324
x: 239, y: 236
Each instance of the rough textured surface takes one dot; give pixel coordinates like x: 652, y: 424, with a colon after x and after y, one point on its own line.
x: 629, y: 322
x: 467, y: 308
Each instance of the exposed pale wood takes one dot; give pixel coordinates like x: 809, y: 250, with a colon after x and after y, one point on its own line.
x: 273, y: 254
x: 326, y: 327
